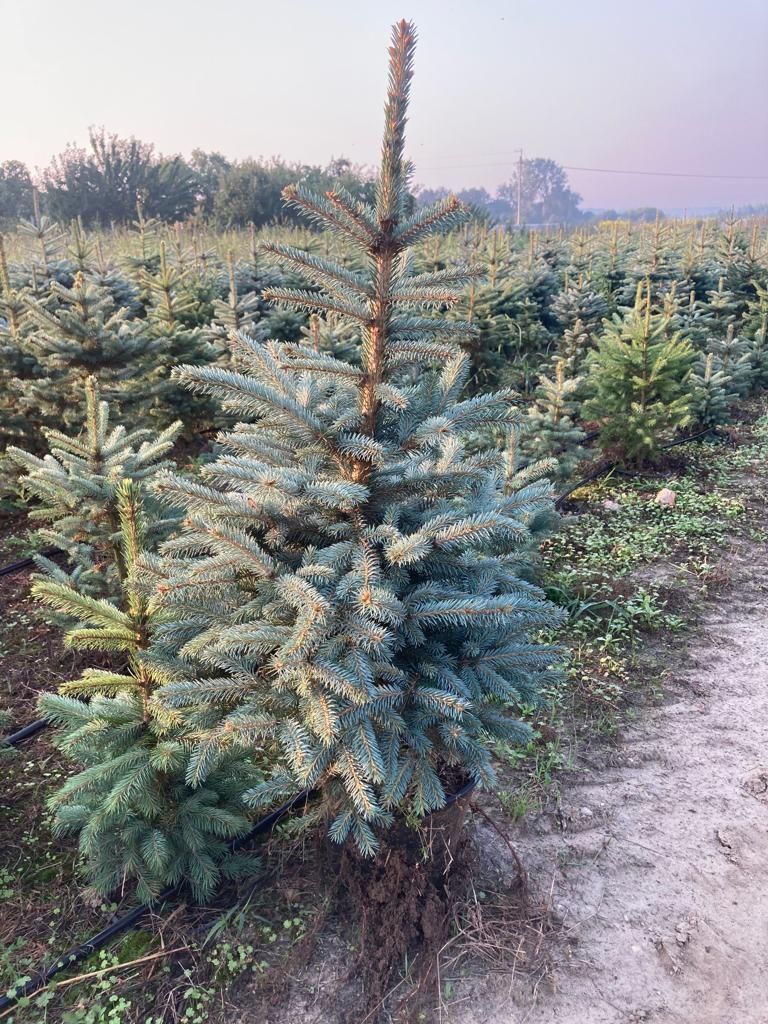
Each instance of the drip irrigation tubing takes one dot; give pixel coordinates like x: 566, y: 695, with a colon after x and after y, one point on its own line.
x: 130, y: 920
x: 693, y: 437
x: 26, y: 563
x: 611, y: 466
x: 32, y: 728
x: 25, y: 732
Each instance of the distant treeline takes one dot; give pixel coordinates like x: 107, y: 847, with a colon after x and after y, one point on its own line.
x: 105, y: 182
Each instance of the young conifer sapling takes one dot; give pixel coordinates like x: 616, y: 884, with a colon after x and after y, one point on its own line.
x: 346, y: 595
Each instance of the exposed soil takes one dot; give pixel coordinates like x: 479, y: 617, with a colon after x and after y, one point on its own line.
x: 32, y: 654
x: 655, y: 858
x: 373, y: 957
x: 403, y: 900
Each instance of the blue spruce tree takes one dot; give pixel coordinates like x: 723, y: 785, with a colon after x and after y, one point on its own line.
x: 346, y: 594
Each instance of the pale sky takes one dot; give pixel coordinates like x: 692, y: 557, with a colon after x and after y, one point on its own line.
x: 657, y: 85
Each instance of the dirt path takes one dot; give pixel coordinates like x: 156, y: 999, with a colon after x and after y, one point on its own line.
x: 661, y: 870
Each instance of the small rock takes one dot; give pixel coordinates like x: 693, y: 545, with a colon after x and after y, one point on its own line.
x: 724, y: 839
x: 611, y: 506
x: 683, y: 933
x: 585, y: 812
x: 666, y: 497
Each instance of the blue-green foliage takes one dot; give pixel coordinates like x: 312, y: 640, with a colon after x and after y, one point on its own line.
x: 713, y: 393
x: 137, y: 819
x: 75, y: 487
x: 346, y: 593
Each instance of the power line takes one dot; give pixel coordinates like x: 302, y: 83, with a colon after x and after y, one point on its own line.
x: 613, y: 170
x: 670, y: 174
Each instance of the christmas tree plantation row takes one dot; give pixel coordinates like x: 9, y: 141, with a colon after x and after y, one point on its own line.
x: 342, y: 595
x: 637, y: 332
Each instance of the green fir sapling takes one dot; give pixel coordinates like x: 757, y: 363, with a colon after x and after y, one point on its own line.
x: 45, y: 243
x: 639, y: 380
x: 551, y: 427
x: 77, y: 331
x: 580, y: 303
x: 171, y: 315
x: 572, y: 349
x: 733, y: 357
x: 725, y: 309
x: 496, y: 338
x: 137, y: 820
x: 14, y: 360
x: 238, y: 311
x: 712, y: 392
x: 690, y: 318
x: 755, y: 330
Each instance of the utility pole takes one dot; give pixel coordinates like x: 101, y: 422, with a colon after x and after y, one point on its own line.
x: 519, y: 187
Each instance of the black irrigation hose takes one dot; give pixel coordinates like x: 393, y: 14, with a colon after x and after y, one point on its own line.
x: 33, y: 728
x: 693, y: 437
x: 600, y: 471
x: 79, y: 953
x: 603, y: 470
x: 26, y: 563
x: 25, y: 732
x: 23, y: 563
x: 82, y: 952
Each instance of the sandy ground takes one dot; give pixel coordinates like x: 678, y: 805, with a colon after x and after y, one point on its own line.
x: 657, y: 860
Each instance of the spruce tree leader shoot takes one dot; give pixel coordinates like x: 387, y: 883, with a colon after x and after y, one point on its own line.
x: 347, y: 595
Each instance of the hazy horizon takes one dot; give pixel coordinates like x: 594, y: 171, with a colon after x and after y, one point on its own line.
x: 679, y: 87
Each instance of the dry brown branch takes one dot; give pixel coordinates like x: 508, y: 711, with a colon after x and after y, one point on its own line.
x: 522, y: 875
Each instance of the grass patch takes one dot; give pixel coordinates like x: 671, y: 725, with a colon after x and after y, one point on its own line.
x: 631, y: 574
